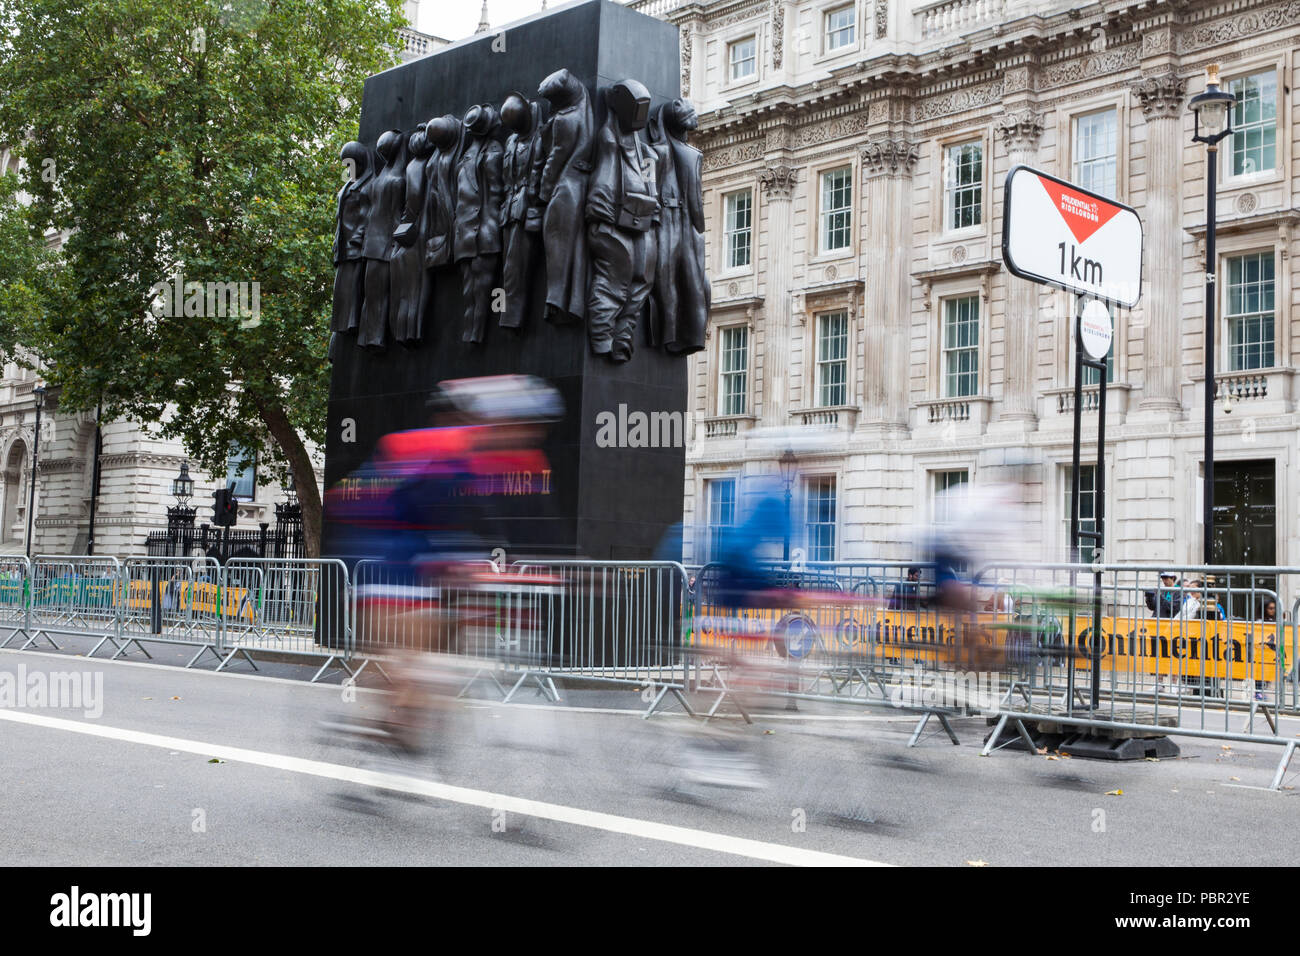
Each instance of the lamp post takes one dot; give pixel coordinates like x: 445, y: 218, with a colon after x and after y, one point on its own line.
x: 39, y: 392
x: 1212, y: 115
x: 788, y: 464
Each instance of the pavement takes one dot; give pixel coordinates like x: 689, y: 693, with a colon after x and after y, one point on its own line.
x: 193, y: 768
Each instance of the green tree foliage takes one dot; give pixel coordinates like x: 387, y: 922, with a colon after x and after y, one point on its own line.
x: 198, y: 137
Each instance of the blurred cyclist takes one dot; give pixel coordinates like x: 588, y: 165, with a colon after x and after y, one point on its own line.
x: 427, y: 511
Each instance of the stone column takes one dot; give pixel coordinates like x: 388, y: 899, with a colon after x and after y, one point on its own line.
x: 887, y: 165
x: 777, y: 184
x: 1161, y: 97
x: 1019, y: 130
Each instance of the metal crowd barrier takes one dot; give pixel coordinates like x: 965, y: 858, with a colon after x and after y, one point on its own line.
x: 76, y: 595
x: 1170, y: 661
x: 289, y: 606
x: 854, y: 632
x: 171, y: 600
x: 15, y: 597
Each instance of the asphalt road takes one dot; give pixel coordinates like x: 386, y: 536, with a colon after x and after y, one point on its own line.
x: 583, y: 782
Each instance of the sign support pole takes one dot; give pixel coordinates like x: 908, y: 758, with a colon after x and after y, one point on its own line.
x: 1098, y: 533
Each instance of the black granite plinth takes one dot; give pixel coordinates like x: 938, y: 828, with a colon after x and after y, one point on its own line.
x: 605, y: 502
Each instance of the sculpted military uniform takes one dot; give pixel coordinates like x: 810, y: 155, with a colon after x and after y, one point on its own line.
x: 521, y: 214
x: 349, y: 258
x: 622, y: 212
x: 476, y: 245
x: 682, y: 292
x: 566, y: 154
x: 385, y: 192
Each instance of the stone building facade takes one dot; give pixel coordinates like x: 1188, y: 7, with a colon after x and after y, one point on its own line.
x: 855, y: 153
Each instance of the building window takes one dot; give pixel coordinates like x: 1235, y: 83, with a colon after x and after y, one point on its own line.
x: 961, y: 340
x: 964, y: 185
x: 819, y: 518
x: 1250, y: 311
x: 1087, y: 508
x: 1092, y: 376
x: 241, y: 470
x: 1254, y: 123
x: 735, y: 370
x: 833, y: 359
x: 836, y: 214
x: 840, y: 28
x: 738, y: 228
x: 1095, y: 151
x: 741, y: 55
x: 945, y: 481
x: 721, y: 496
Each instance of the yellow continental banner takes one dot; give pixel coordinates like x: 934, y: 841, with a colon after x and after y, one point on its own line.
x: 1240, y: 650
x: 201, y: 597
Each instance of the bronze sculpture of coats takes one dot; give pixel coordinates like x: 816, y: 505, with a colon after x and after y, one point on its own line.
x: 349, y: 259
x: 407, y: 282
x: 680, y: 307
x: 520, y: 216
x: 478, y: 200
x: 567, y: 140
x: 386, y: 192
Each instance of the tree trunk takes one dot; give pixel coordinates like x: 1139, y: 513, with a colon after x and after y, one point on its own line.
x: 304, y: 475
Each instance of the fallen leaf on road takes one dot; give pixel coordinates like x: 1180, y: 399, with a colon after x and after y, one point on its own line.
x: 1114, y: 793
x: 1234, y: 778
x: 769, y: 731
x: 215, y: 760
x: 976, y: 863
x: 1042, y: 750
x: 1151, y: 759
x: 1050, y: 757
x: 1173, y: 791
x: 1224, y: 747
x: 146, y: 698
x: 175, y: 698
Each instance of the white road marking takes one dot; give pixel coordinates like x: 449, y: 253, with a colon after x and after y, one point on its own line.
x: 630, y: 826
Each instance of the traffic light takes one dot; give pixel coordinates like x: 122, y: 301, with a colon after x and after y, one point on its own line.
x: 224, y: 509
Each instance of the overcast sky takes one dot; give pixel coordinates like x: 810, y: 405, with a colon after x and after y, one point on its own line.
x: 457, y: 19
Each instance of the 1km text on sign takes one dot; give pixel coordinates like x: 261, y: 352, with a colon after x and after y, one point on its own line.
x: 1058, y: 234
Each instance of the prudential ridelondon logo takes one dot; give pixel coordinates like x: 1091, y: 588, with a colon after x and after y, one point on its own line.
x: 52, y: 690
x: 76, y: 909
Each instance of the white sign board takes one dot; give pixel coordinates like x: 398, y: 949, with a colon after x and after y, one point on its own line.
x: 1095, y: 330
x: 1059, y: 234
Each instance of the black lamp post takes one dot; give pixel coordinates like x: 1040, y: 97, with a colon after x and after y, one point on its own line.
x: 1212, y: 112
x: 788, y: 464
x: 39, y: 393
x: 183, y: 485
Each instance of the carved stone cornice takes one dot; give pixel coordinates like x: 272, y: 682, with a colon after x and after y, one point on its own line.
x: 778, y: 181
x: 1020, y: 129
x: 1161, y: 95
x: 889, y: 157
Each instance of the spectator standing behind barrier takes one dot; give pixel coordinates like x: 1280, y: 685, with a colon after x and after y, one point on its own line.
x: 1167, y: 600
x: 907, y: 595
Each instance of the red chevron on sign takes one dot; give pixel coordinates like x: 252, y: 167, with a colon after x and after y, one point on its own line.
x: 1082, y: 213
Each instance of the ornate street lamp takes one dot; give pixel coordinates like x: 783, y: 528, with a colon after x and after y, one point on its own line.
x: 789, y: 463
x: 1212, y: 113
x: 290, y: 490
x: 183, y: 485
x: 39, y: 393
